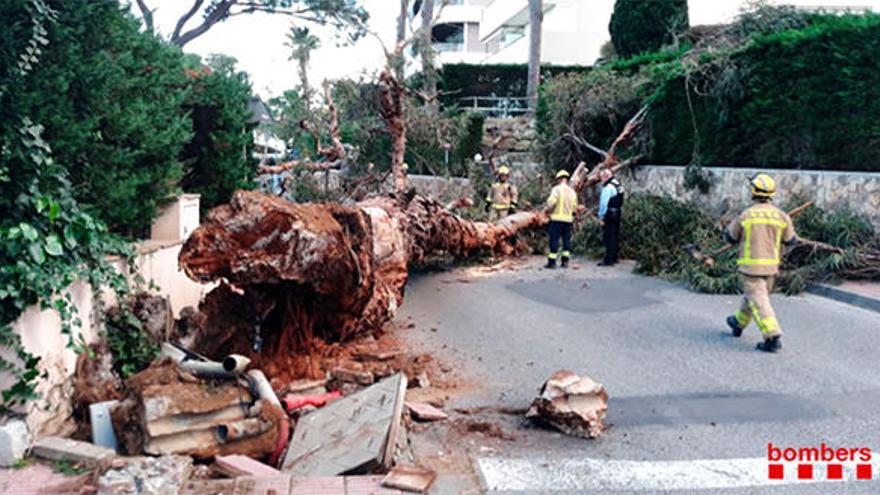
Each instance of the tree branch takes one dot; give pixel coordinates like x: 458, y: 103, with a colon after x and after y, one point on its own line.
x: 147, y: 14
x: 197, y: 4
x: 218, y: 14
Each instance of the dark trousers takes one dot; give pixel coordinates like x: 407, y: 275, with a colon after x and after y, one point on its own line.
x: 611, y: 235
x: 559, y: 230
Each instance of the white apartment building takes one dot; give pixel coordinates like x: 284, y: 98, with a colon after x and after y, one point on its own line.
x: 496, y: 31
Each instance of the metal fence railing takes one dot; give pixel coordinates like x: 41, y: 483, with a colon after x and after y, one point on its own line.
x: 495, y: 106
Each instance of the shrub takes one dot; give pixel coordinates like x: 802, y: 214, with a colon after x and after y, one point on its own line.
x: 645, y: 25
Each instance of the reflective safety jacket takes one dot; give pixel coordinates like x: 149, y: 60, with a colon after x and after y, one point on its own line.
x: 502, y: 195
x: 562, y: 203
x: 761, y: 230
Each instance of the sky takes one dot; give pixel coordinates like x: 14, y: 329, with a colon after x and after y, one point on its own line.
x: 257, y: 40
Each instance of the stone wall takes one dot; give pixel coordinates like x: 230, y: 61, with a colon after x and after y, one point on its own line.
x: 855, y: 191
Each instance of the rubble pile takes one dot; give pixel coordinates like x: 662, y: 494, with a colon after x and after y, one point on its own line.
x: 170, y: 411
x: 572, y: 404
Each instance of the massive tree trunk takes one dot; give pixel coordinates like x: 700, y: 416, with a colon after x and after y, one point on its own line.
x: 536, y: 18
x: 297, y: 276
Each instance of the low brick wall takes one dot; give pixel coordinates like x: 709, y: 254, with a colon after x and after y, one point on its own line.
x: 855, y: 191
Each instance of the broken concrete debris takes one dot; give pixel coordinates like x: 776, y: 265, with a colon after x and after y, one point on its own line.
x: 13, y: 442
x: 410, y: 478
x: 572, y: 404
x: 168, y: 411
x: 425, y: 412
x: 355, y: 434
x: 353, y: 376
x: 146, y: 475
x: 75, y: 451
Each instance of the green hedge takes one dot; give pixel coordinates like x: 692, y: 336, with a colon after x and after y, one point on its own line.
x: 810, y: 99
x: 465, y: 80
x: 797, y: 98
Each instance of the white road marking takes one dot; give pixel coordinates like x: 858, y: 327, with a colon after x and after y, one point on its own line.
x: 596, y: 474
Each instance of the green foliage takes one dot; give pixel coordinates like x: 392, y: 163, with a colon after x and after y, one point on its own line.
x: 131, y: 346
x: 778, y: 88
x: 803, y: 93
x: 68, y: 468
x: 645, y: 25
x: 462, y: 80
x: 109, y: 98
x: 218, y: 159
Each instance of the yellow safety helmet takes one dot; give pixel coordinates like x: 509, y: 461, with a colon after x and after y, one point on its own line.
x: 763, y: 186
x: 405, y: 166
x: 503, y: 170
x: 562, y: 173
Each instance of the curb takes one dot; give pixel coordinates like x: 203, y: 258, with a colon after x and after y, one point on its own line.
x: 846, y: 297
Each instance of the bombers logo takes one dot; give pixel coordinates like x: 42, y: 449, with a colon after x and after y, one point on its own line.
x: 832, y: 459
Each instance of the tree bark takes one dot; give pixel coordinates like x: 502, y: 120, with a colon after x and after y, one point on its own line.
x: 536, y: 18
x: 427, y: 53
x: 394, y: 114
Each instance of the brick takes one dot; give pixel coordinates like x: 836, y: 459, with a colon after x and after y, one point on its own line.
x: 425, y: 412
x: 240, y: 465
x: 65, y: 449
x: 410, y: 478
x: 326, y: 485
x: 353, y: 376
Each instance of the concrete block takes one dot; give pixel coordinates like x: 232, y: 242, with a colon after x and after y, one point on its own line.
x: 240, y: 465
x: 65, y: 449
x: 13, y: 442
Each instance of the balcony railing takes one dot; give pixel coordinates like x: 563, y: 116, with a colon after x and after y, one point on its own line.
x: 495, y: 106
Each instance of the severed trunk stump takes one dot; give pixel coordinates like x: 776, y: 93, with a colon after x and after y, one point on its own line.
x: 306, y: 276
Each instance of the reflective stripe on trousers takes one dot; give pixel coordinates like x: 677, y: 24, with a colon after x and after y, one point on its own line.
x: 756, y: 304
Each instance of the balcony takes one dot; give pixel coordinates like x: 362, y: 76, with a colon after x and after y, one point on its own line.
x: 501, y: 14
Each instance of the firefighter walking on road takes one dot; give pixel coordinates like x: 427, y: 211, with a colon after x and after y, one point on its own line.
x: 610, y: 213
x: 760, y: 230
x: 501, y: 200
x: 562, y: 205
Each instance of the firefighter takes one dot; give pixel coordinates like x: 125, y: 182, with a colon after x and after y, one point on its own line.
x: 501, y: 200
x: 610, y: 212
x: 760, y: 230
x: 562, y: 205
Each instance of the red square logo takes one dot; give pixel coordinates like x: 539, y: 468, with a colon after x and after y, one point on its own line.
x: 805, y: 471
x: 835, y: 471
x: 863, y: 471
x: 775, y: 471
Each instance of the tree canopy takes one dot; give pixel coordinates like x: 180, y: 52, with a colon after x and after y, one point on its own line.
x: 645, y: 25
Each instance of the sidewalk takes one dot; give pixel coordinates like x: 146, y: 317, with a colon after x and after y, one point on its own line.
x: 863, y: 294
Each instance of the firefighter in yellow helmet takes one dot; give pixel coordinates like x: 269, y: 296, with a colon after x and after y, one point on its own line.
x: 760, y: 230
x: 502, y: 198
x: 562, y: 205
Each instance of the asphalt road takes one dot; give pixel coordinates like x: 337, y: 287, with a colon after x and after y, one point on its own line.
x: 685, y: 395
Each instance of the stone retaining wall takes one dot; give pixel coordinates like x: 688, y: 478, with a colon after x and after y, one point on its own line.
x: 855, y: 191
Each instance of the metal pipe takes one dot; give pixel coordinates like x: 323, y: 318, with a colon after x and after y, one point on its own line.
x: 264, y: 389
x: 207, y: 369
x: 244, y: 428
x: 236, y: 363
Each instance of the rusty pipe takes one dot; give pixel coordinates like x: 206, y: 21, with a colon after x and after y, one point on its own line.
x: 245, y: 428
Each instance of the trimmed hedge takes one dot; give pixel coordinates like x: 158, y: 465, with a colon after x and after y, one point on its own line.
x: 810, y: 99
x: 799, y: 98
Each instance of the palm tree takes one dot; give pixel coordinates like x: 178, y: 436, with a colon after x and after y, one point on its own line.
x: 302, y: 42
x: 536, y: 18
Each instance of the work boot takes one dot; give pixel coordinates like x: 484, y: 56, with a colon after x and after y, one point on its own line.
x: 564, y: 262
x: 772, y: 344
x: 734, y: 325
x: 551, y: 264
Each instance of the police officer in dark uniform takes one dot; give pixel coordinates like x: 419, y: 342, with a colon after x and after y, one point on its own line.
x: 610, y: 213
